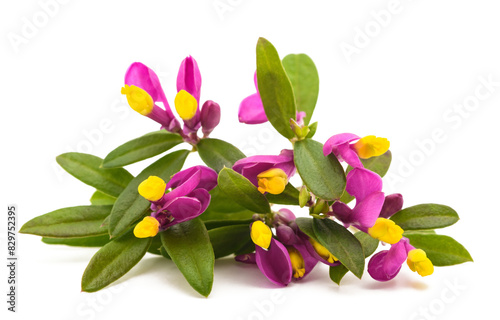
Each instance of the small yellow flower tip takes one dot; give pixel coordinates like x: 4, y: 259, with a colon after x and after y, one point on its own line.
x: 153, y: 188
x: 418, y: 261
x: 297, y: 261
x: 138, y: 99
x: 185, y: 104
x: 261, y: 234
x: 148, y: 227
x: 371, y: 146
x: 322, y: 251
x: 273, y: 181
x: 386, y: 230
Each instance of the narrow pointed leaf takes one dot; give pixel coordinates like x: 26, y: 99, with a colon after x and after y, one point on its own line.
x: 324, y: 176
x: 337, y: 273
x: 72, y: 222
x: 87, y: 168
x: 130, y: 206
x: 101, y: 199
x: 441, y: 250
x: 229, y: 239
x: 218, y: 154
x: 188, y: 244
x: 341, y: 243
x: 141, y: 148
x: 305, y: 82
x: 95, y: 241
x: 275, y: 89
x: 113, y: 261
x: 425, y: 216
x: 237, y: 187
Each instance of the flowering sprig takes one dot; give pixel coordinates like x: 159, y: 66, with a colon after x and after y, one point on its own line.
x: 195, y: 215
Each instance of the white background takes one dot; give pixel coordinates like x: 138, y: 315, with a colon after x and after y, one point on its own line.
x: 60, y: 91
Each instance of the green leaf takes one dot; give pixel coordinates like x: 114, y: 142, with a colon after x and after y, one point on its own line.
x: 312, y: 130
x: 101, y: 199
x: 130, y: 206
x: 306, y: 225
x: 425, y: 216
x: 95, y: 241
x: 324, y: 176
x: 441, y: 250
x: 87, y: 168
x: 337, y: 273
x: 275, y: 89
x: 72, y: 222
x: 141, y: 148
x: 236, y: 186
x: 368, y: 243
x: 369, y: 246
x: 305, y: 82
x: 212, y: 224
x: 222, y: 207
x: 218, y: 154
x: 289, y: 196
x: 113, y: 261
x: 341, y: 243
x: 188, y: 244
x: 156, y: 245
x: 229, y: 239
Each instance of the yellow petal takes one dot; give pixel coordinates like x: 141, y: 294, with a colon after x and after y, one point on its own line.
x: 138, y: 99
x: 261, y: 234
x: 153, y: 188
x: 322, y: 251
x: 148, y: 227
x: 418, y: 262
x: 386, y: 230
x: 273, y: 181
x: 297, y: 261
x: 185, y: 104
x: 371, y: 146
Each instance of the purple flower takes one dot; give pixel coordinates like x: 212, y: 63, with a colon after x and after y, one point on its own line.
x: 140, y: 76
x: 386, y: 264
x: 340, y: 145
x: 366, y: 187
x: 254, y: 166
x: 188, y: 199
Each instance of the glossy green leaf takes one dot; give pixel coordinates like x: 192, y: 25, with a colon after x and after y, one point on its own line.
x: 323, y: 176
x: 130, y: 206
x: 113, y: 261
x: 341, y: 243
x: 87, y: 168
x: 72, y: 222
x: 101, y: 199
x: 369, y: 246
x: 212, y: 224
x: 289, y: 196
x: 156, y: 245
x: 218, y: 154
x: 425, y: 216
x: 275, y: 88
x: 229, y: 239
x: 188, y: 244
x: 222, y: 207
x: 305, y: 82
x: 441, y: 250
x: 141, y: 148
x: 236, y: 186
x: 306, y: 225
x: 95, y: 241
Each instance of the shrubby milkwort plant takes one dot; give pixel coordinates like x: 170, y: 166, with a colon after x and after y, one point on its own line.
x: 196, y: 215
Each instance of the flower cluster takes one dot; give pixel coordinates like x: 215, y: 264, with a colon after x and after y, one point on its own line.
x: 225, y: 207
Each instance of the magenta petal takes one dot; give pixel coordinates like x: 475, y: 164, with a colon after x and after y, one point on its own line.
x: 251, y: 110
x: 392, y: 204
x: 183, y: 183
x: 189, y: 78
x: 284, y: 216
x: 286, y: 235
x: 309, y: 261
x: 209, y: 117
x: 347, y: 154
x: 203, y: 196
x: 342, y: 212
x: 275, y: 263
x: 362, y: 182
x: 332, y: 144
x: 386, y: 264
x: 207, y: 178
x: 366, y: 212
x: 183, y: 209
x: 376, y: 267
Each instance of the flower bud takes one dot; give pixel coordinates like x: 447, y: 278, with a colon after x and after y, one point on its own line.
x: 210, y: 117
